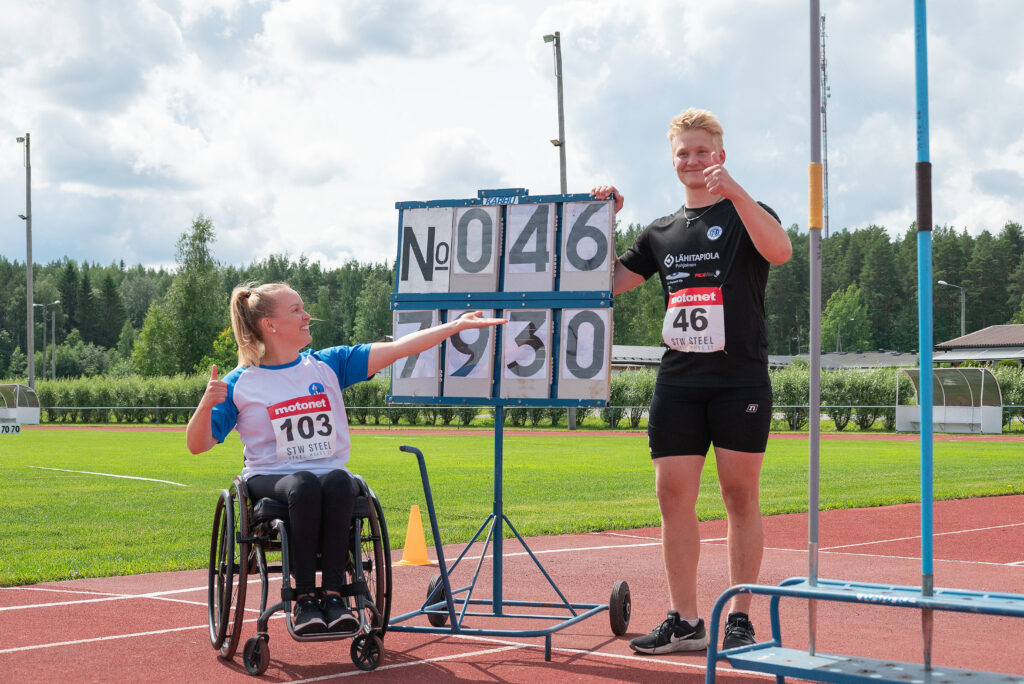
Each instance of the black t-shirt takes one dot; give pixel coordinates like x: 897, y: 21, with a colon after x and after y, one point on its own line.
x: 714, y: 250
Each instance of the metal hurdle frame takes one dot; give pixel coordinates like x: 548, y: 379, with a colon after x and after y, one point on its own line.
x: 443, y: 602
x: 770, y: 657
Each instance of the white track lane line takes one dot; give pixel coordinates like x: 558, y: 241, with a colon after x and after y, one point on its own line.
x: 124, y: 477
x: 917, y: 536
x: 517, y: 645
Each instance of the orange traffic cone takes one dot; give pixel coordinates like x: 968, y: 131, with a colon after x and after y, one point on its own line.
x: 415, y: 551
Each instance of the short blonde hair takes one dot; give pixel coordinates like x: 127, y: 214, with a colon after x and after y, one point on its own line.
x: 250, y: 303
x: 700, y: 119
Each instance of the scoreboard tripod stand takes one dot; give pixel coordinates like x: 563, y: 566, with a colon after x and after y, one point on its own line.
x: 544, y: 263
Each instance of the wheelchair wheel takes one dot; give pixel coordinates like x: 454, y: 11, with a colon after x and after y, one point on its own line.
x: 375, y: 552
x: 256, y: 655
x: 228, y: 571
x: 366, y: 651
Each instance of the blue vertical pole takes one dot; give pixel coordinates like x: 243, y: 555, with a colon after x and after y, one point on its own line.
x: 499, y: 515
x: 924, y: 309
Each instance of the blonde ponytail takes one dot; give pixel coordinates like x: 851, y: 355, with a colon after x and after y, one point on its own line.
x: 249, y: 304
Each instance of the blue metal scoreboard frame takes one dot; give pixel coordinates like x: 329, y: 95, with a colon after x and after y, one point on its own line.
x: 566, y: 339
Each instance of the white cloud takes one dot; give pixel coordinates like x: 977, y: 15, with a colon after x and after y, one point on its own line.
x: 297, y: 125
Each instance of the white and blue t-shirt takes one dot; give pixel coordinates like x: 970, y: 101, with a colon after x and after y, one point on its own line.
x: 292, y: 417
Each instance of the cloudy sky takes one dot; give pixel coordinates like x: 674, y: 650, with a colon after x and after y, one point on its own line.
x: 296, y: 126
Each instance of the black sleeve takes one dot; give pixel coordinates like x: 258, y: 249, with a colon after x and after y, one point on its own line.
x: 638, y: 258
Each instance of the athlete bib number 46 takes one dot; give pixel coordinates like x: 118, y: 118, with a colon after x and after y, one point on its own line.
x: 695, y: 320
x: 304, y: 428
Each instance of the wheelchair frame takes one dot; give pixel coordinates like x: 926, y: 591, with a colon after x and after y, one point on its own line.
x: 244, y: 532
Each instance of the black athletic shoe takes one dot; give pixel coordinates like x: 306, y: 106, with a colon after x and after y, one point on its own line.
x: 738, y: 631
x: 672, y: 635
x: 307, y: 618
x: 339, y: 617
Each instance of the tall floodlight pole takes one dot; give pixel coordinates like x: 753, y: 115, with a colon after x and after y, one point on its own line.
x: 826, y: 92
x: 43, y: 306
x: 30, y: 338
x: 556, y: 39
x: 53, y: 343
x: 923, y: 173
x: 814, y: 225
x: 963, y: 306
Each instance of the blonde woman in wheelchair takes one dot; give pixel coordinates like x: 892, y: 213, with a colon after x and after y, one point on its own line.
x: 287, y: 407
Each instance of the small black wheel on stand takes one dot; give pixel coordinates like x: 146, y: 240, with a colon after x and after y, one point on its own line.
x: 437, y: 619
x: 256, y: 655
x: 366, y: 651
x: 619, y: 607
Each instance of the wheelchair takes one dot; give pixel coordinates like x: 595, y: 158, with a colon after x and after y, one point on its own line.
x: 244, y: 532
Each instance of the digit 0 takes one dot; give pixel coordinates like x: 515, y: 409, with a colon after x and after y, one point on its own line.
x: 572, y: 360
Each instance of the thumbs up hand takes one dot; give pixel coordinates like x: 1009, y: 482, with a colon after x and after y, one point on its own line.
x: 718, y: 180
x: 216, y: 390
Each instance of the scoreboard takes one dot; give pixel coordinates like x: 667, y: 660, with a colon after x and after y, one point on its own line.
x: 544, y: 262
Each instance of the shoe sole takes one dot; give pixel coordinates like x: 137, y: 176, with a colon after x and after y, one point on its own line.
x: 311, y: 627
x: 347, y: 623
x: 675, y: 646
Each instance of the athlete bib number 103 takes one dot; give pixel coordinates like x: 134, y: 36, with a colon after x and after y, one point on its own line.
x: 695, y: 320
x: 304, y: 428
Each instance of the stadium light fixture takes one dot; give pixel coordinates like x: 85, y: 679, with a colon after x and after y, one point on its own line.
x: 963, y: 306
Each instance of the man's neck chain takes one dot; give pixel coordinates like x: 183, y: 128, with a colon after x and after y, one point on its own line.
x: 691, y: 221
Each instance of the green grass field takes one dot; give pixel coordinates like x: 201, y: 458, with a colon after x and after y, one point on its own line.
x: 60, y: 525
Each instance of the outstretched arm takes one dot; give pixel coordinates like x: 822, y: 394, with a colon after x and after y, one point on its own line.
x: 383, y: 354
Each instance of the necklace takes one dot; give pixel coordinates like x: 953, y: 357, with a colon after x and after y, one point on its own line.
x: 691, y: 221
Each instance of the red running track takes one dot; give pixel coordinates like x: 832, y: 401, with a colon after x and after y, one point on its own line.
x: 153, y: 627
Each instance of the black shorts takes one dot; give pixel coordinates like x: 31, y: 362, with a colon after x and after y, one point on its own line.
x: 687, y: 420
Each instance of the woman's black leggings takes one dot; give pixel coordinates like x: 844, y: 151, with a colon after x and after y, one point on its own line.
x: 319, y: 518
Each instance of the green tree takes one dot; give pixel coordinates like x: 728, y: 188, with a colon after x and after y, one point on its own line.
x: 85, y: 309
x: 126, y: 340
x: 373, y: 312
x: 69, y: 286
x: 155, y: 352
x: 985, y: 284
x: 110, y: 315
x: 139, y: 289
x: 224, y: 355
x: 195, y: 302
x: 845, y: 316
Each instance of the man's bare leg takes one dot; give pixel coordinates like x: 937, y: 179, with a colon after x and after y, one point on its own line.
x: 739, y: 476
x: 677, y: 482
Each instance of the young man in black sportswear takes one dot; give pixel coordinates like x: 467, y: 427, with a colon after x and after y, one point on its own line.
x: 712, y: 256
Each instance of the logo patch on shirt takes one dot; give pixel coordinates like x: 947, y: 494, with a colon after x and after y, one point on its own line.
x: 752, y: 408
x: 316, y: 388
x: 714, y: 232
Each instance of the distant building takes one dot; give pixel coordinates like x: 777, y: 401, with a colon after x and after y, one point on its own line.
x: 988, y: 345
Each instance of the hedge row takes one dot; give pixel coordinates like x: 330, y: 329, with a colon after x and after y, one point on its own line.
x: 847, y: 396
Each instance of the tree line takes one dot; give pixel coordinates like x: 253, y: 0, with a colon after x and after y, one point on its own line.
x: 122, y: 320
x: 868, y: 290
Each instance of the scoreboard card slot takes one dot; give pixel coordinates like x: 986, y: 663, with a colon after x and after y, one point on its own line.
x: 469, y: 357
x: 476, y: 246
x: 424, y: 250
x: 526, y: 362
x: 585, y: 354
x: 588, y: 245
x: 529, y: 261
x: 418, y: 374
